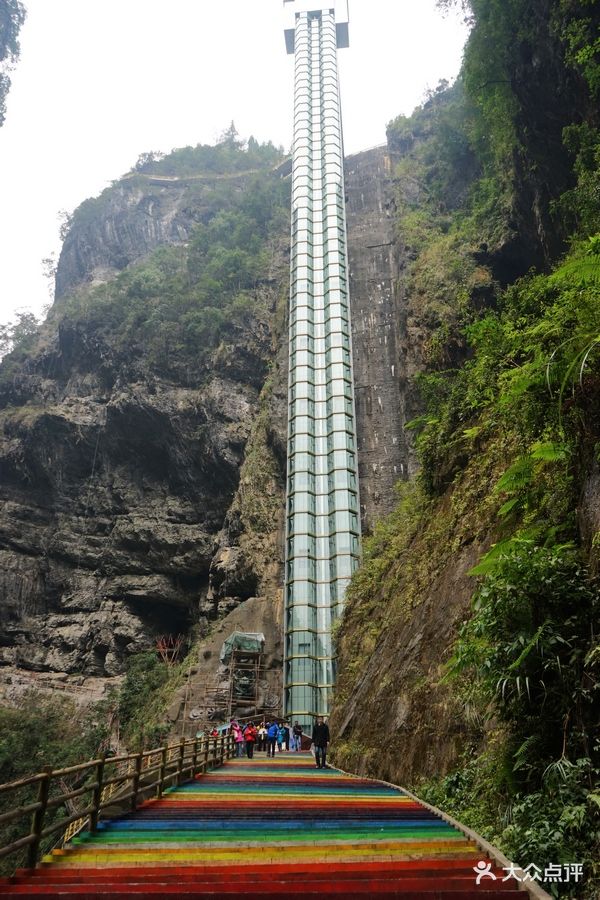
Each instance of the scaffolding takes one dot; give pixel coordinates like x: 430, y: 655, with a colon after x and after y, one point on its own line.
x: 240, y: 689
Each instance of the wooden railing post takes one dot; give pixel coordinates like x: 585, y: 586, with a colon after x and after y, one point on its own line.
x: 97, y: 798
x: 222, y: 749
x: 37, y: 824
x: 180, y: 761
x: 195, y: 757
x: 163, y: 771
x: 206, y: 752
x: 135, y: 784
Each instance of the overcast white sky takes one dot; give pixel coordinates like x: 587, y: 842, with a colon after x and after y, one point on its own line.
x: 101, y: 81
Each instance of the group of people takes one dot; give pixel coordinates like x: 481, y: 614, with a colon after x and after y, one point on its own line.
x: 268, y: 735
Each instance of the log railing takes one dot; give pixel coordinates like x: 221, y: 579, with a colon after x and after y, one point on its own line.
x: 120, y: 782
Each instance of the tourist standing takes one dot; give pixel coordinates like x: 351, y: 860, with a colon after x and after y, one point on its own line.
x: 238, y: 737
x: 262, y: 737
x: 280, y: 736
x: 297, y: 736
x: 320, y: 738
x: 272, y: 732
x: 250, y: 734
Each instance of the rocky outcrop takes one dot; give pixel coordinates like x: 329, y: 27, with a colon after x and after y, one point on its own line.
x: 129, y: 220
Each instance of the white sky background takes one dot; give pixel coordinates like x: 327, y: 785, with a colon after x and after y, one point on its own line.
x: 99, y: 82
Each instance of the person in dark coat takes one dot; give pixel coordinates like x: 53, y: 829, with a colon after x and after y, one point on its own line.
x: 297, y: 736
x: 320, y: 739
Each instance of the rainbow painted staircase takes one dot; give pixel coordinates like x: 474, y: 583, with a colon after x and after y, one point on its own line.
x: 268, y: 828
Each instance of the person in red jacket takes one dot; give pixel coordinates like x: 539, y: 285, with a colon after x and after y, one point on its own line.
x: 250, y: 735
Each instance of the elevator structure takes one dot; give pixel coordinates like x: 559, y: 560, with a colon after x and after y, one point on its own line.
x: 322, y: 501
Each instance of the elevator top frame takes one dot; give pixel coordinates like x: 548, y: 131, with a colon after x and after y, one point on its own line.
x: 291, y: 8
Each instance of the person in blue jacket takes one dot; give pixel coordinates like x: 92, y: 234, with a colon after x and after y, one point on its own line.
x: 272, y: 734
x: 280, y: 737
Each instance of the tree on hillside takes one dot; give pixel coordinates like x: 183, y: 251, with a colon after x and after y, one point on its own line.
x: 12, y: 16
x: 230, y: 138
x: 18, y: 332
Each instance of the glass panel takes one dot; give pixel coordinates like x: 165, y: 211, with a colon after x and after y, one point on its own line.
x: 301, y: 481
x: 301, y: 642
x: 301, y: 568
x: 302, y: 523
x: 302, y: 593
x: 301, y: 462
x: 302, y: 502
x: 300, y: 545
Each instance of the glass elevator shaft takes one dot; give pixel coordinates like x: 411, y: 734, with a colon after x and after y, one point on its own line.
x: 322, y: 502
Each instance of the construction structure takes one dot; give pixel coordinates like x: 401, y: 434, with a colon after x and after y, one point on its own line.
x: 322, y: 502
x: 243, y: 654
x: 240, y: 688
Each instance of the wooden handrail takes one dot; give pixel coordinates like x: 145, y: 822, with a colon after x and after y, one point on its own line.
x: 80, y: 767
x: 58, y: 801
x: 22, y: 782
x: 17, y: 845
x: 13, y: 814
x: 170, y: 762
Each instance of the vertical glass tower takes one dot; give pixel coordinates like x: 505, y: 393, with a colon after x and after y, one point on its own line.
x: 322, y: 504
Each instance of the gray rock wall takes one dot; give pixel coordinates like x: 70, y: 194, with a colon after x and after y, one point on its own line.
x: 378, y: 327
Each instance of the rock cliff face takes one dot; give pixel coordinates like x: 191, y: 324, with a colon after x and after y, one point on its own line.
x: 141, y: 213
x: 113, y: 497
x: 126, y: 222
x: 121, y: 516
x: 378, y: 331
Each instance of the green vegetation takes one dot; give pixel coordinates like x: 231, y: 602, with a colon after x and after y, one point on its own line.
x: 44, y: 730
x: 12, y: 16
x: 529, y: 659
x: 18, y: 335
x: 229, y: 155
x: 144, y: 696
x: 529, y: 655
x: 210, y: 174
x: 506, y: 444
x: 258, y: 500
x: 508, y: 441
x: 49, y: 730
